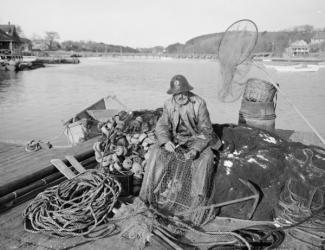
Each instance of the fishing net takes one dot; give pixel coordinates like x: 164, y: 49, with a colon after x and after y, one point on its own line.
x: 301, y: 201
x: 236, y: 46
x: 289, y: 174
x: 179, y: 190
x: 175, y: 186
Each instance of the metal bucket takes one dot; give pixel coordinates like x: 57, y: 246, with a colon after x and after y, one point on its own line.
x: 257, y: 114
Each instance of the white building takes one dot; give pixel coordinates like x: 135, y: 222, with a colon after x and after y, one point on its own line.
x: 298, y: 48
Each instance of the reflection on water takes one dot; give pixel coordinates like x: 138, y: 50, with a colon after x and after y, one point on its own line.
x: 6, y: 77
x: 33, y: 104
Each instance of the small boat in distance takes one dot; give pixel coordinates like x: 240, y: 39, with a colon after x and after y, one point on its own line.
x: 294, y: 68
x: 29, y: 58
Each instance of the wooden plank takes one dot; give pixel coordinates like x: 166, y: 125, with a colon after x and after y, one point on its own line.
x: 76, y: 164
x: 16, y: 163
x: 59, y: 164
x: 172, y: 244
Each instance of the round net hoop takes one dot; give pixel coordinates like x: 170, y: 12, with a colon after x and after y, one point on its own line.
x: 238, y: 42
x: 235, y: 47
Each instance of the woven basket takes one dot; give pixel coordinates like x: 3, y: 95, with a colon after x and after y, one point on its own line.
x: 258, y: 90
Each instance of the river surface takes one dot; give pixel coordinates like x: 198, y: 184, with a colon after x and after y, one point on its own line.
x: 33, y: 104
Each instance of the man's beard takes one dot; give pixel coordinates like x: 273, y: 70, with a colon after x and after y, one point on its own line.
x: 181, y: 101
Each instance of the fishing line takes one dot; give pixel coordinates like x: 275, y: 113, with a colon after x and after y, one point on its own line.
x: 287, y: 99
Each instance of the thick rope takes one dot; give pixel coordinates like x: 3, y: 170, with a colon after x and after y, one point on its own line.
x: 33, y: 146
x: 75, y: 207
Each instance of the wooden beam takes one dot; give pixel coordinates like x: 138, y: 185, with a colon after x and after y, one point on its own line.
x: 76, y: 164
x: 59, y: 164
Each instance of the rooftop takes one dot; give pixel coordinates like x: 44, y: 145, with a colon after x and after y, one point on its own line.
x: 300, y: 43
x: 5, y: 37
x: 8, y: 33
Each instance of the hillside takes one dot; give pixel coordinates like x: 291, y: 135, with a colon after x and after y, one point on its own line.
x: 275, y: 41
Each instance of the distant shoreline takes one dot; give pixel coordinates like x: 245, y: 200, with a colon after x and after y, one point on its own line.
x: 210, y: 57
x: 290, y: 59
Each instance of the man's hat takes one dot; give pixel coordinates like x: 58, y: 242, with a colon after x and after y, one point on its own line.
x: 178, y: 84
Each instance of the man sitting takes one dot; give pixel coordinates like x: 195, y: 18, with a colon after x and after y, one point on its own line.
x: 185, y: 123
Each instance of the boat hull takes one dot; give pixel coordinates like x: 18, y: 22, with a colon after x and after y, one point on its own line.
x: 83, y: 125
x: 294, y: 68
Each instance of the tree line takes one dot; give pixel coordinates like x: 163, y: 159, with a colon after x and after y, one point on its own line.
x: 274, y: 42
x: 50, y: 40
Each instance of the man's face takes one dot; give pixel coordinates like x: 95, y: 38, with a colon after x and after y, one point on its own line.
x: 181, y: 98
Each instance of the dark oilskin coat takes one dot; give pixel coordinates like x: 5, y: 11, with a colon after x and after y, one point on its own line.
x: 196, y: 119
x: 198, y: 135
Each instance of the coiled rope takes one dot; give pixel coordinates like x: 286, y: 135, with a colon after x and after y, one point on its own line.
x: 33, y: 146
x: 36, y: 144
x: 75, y: 207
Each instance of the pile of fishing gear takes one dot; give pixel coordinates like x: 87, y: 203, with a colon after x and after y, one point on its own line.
x: 257, y: 173
x: 75, y: 207
x: 301, y: 206
x: 289, y: 176
x: 253, y: 169
x: 123, y: 148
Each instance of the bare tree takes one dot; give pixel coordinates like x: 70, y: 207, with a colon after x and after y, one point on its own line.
x: 50, y: 38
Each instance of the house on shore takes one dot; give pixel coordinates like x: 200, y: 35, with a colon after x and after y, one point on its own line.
x: 298, y: 49
x: 10, y: 42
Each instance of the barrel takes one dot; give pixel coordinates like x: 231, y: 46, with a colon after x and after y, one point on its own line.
x: 257, y: 114
x: 258, y: 105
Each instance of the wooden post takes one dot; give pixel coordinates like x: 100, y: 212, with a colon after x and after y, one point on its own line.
x: 10, y: 47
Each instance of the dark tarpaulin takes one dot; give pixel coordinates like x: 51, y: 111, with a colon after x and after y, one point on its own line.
x: 270, y: 163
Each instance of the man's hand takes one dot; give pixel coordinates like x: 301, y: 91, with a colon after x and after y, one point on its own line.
x: 169, y: 146
x: 191, y: 155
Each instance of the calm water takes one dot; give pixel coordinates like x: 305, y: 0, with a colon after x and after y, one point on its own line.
x: 34, y: 103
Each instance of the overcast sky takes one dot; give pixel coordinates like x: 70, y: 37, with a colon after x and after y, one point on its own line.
x: 145, y: 23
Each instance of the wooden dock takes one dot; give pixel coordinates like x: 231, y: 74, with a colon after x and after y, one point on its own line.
x: 16, y: 163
